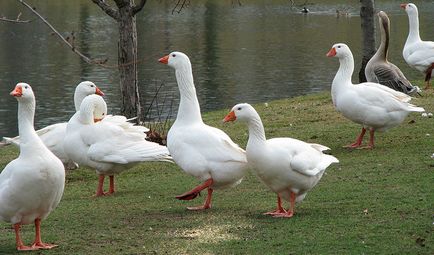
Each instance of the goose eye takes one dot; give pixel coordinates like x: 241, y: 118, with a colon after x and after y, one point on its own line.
x: 92, y: 86
x: 173, y: 55
x: 339, y: 46
x: 26, y: 87
x: 239, y: 108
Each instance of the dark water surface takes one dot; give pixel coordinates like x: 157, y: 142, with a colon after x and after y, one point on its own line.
x: 260, y: 51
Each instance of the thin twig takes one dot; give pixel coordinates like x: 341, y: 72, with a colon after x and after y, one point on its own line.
x: 138, y: 7
x: 180, y: 4
x: 85, y: 58
x: 112, y: 12
x: 153, y: 99
x: 16, y: 20
x: 169, y: 115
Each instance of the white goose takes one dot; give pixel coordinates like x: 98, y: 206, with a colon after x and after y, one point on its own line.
x: 380, y: 70
x: 52, y: 136
x: 288, y: 166
x: 109, y: 147
x: 417, y: 53
x: 204, y: 152
x: 372, y: 105
x: 31, y: 186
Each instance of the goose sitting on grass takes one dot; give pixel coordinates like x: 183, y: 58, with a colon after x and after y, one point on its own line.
x: 109, y: 147
x: 52, y: 136
x: 289, y: 167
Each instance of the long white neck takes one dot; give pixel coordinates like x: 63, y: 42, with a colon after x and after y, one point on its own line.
x: 413, y: 34
x: 343, y: 76
x: 78, y: 98
x: 256, y: 132
x: 86, y: 113
x: 26, y: 130
x: 189, y: 109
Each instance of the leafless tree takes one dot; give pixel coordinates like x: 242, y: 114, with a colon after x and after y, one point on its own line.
x: 368, y: 34
x: 124, y: 13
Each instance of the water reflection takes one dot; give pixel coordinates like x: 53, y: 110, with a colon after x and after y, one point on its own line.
x: 251, y: 53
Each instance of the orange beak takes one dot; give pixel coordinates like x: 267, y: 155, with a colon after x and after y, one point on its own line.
x: 403, y: 6
x: 96, y: 120
x: 332, y: 52
x: 99, y: 92
x: 17, y: 92
x: 230, y: 117
x: 164, y: 60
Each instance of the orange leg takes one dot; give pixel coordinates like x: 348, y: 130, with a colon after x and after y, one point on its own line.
x: 370, y: 145
x: 112, y: 185
x: 207, y: 203
x: 38, y: 244
x: 428, y: 76
x: 279, y: 209
x: 100, y: 187
x: 290, y: 212
x: 189, y: 195
x: 358, y: 141
x: 19, y: 241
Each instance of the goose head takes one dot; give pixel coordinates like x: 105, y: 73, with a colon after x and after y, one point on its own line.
x: 384, y: 21
x: 410, y: 9
x: 241, y: 112
x: 88, y: 88
x: 23, y: 92
x: 176, y: 60
x: 92, y: 109
x: 84, y: 89
x: 339, y: 50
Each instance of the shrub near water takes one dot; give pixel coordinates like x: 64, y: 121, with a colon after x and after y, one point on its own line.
x: 373, y: 202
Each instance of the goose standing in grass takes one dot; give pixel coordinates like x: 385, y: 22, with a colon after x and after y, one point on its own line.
x: 31, y: 186
x: 380, y: 70
x: 372, y: 105
x: 289, y: 167
x: 108, y: 146
x: 417, y: 53
x: 202, y: 151
x: 52, y: 136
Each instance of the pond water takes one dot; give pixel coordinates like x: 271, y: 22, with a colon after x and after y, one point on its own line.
x: 256, y: 52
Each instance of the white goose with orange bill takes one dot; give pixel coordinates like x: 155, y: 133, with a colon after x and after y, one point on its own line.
x: 202, y: 151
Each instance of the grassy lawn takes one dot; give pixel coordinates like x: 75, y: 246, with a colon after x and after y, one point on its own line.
x: 372, y: 202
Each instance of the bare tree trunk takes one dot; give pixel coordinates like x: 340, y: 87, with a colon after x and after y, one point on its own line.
x: 127, y: 59
x: 127, y: 52
x: 368, y: 34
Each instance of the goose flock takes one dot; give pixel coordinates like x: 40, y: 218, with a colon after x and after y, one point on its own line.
x: 32, y: 185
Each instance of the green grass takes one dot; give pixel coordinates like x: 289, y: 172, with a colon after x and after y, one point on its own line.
x: 377, y: 201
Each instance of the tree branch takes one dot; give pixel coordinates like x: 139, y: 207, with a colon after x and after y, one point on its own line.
x: 85, y: 58
x: 138, y: 7
x: 14, y: 21
x: 17, y: 20
x: 180, y: 4
x: 112, y: 12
